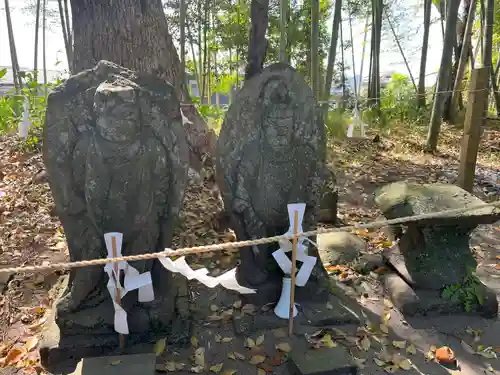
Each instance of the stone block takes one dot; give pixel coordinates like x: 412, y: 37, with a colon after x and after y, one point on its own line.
x: 321, y: 362
x: 136, y: 364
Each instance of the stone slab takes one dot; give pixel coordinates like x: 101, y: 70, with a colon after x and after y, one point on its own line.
x: 136, y: 364
x: 321, y: 362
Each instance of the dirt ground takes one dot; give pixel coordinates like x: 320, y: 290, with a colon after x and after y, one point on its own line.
x: 31, y: 234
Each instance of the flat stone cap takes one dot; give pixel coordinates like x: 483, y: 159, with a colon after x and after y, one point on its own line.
x: 402, y: 199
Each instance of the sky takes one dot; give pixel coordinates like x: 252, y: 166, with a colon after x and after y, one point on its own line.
x: 391, y: 60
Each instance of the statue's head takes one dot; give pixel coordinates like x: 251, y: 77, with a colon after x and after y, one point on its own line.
x: 278, y: 114
x: 117, y: 112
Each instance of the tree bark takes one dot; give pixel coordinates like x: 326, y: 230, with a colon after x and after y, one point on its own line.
x: 423, y: 56
x: 131, y: 33
x: 257, y: 44
x: 444, y: 77
x: 315, y: 49
x: 134, y: 34
x: 37, y: 29
x: 67, y: 45
x: 337, y: 13
x: 462, y: 63
x: 18, y: 83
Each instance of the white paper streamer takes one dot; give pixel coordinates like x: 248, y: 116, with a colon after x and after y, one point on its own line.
x: 133, y: 280
x: 226, y: 280
x: 24, y: 125
x: 279, y: 255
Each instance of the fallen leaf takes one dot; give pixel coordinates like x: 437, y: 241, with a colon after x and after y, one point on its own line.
x: 259, y: 340
x: 329, y: 306
x: 388, y: 303
x: 237, y: 304
x: 197, y: 369
x: 284, y: 347
x: 171, y: 366
x: 217, y: 337
x: 364, y: 343
x: 31, y: 343
x: 115, y: 362
x: 15, y: 355
x: 328, y: 342
x: 235, y: 356
x: 399, y: 344
x: 199, y: 356
x: 217, y: 368
x: 360, y: 362
x: 160, y: 346
x: 405, y: 364
x: 227, y: 339
x: 445, y: 355
x: 261, y: 371
x: 467, y: 347
x: 214, y: 308
x: 391, y: 369
x: 256, y: 359
x: 384, y: 329
x: 411, y: 349
x: 229, y: 372
x: 386, y: 315
x: 249, y: 343
x: 378, y: 362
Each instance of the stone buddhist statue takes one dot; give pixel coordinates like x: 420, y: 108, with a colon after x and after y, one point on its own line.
x: 117, y: 159
x: 270, y: 153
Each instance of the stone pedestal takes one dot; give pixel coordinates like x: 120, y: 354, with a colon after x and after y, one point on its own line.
x: 434, y: 266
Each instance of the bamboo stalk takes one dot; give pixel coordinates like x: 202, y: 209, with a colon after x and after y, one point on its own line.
x: 118, y: 296
x: 294, y: 271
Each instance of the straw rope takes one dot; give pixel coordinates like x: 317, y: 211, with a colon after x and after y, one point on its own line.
x: 233, y: 245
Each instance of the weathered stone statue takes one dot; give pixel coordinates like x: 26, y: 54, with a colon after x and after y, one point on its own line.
x: 271, y: 152
x: 435, y: 267
x: 117, y: 158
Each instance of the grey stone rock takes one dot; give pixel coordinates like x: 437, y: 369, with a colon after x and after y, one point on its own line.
x: 369, y: 262
x: 435, y: 251
x: 271, y: 152
x: 340, y: 247
x: 117, y: 159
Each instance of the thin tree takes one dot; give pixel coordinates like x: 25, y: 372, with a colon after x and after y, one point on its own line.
x: 315, y: 49
x: 284, y: 4
x: 423, y: 56
x: 18, y: 83
x: 67, y: 45
x: 44, y: 48
x: 337, y: 14
x: 37, y: 30
x: 462, y: 63
x: 488, y: 50
x: 443, y: 77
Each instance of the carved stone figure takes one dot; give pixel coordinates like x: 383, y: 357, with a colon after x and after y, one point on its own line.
x: 117, y: 158
x: 271, y: 152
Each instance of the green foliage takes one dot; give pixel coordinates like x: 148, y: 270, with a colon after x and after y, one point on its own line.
x: 212, y: 115
x: 11, y: 109
x: 336, y: 124
x: 470, y: 293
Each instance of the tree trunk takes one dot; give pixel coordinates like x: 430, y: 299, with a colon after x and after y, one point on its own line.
x: 284, y: 5
x: 65, y: 32
x: 488, y: 50
x: 337, y: 13
x: 131, y: 33
x: 37, y: 29
x: 44, y: 45
x: 423, y: 56
x: 257, y: 43
x: 315, y: 49
x: 18, y: 83
x: 68, y: 27
x: 374, y: 94
x: 443, y: 77
x: 134, y: 34
x: 462, y: 63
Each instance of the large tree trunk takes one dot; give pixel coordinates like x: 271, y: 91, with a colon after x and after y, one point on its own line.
x: 134, y: 34
x: 257, y: 44
x: 444, y: 77
x: 423, y: 56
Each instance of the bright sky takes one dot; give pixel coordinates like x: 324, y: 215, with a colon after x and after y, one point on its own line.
x: 391, y: 60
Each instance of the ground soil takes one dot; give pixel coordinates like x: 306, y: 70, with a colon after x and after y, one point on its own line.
x: 30, y: 233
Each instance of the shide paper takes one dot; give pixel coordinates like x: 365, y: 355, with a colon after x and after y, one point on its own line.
x: 279, y: 255
x: 226, y: 280
x: 132, y: 280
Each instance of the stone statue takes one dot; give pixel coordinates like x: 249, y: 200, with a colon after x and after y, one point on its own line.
x: 117, y: 158
x: 271, y: 152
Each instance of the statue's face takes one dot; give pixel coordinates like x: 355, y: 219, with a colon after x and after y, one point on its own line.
x: 117, y: 113
x: 278, y: 119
